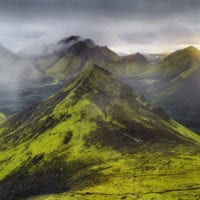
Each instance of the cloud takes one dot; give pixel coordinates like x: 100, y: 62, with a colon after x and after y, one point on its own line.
x: 138, y: 37
x: 110, y: 22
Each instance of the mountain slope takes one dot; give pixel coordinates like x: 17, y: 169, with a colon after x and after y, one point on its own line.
x: 97, y: 139
x: 180, y: 91
x: 53, y: 53
x: 174, y: 84
x: 181, y: 61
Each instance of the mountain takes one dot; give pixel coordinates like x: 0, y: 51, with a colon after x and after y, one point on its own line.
x: 85, y: 52
x: 181, y: 62
x: 97, y: 139
x: 174, y: 84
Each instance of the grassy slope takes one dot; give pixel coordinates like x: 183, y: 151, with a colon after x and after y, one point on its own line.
x: 149, y: 174
x: 73, y: 142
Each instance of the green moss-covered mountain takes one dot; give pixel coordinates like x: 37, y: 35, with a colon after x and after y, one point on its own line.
x: 97, y: 139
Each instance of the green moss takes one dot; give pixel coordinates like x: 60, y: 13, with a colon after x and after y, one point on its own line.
x: 144, y: 175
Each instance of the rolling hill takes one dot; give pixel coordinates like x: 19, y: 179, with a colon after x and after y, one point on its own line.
x: 97, y: 138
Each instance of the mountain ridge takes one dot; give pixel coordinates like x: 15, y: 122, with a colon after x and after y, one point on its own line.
x: 87, y: 138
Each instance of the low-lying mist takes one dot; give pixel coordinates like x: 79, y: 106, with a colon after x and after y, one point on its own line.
x: 23, y: 81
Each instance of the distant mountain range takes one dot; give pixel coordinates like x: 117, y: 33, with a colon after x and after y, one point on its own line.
x: 96, y: 138
x: 170, y: 81
x: 69, y: 61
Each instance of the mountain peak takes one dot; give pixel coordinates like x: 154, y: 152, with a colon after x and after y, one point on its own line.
x: 82, y: 46
x: 94, y: 78
x: 72, y: 38
x: 191, y: 48
x: 181, y: 60
x: 190, y: 51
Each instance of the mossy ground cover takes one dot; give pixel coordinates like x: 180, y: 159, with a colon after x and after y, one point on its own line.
x: 147, y: 174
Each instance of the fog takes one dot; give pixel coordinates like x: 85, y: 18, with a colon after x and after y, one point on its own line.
x: 22, y: 81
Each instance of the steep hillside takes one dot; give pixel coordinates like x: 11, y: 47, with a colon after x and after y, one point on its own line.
x: 97, y: 139
x: 174, y: 84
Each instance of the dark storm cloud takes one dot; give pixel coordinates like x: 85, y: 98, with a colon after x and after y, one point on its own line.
x: 113, y: 22
x: 106, y: 7
x: 143, y: 8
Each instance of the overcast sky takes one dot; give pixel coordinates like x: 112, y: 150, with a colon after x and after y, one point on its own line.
x: 123, y: 25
